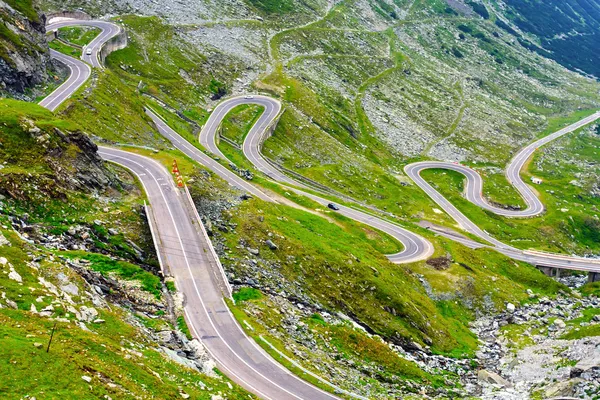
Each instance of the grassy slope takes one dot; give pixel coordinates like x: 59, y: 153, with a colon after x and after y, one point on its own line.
x: 330, y: 268
x: 239, y: 121
x: 312, y: 152
x: 121, y: 361
x: 326, y: 279
x: 78, y: 35
x: 447, y: 327
x: 65, y: 49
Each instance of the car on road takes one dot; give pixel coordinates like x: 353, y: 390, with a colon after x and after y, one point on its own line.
x: 88, y: 52
x: 249, y: 96
x: 333, y: 206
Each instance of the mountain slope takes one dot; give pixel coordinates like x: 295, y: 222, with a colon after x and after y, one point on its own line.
x: 24, y: 56
x: 567, y: 31
x: 76, y: 257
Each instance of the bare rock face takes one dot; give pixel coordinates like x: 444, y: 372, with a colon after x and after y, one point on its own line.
x: 24, y: 54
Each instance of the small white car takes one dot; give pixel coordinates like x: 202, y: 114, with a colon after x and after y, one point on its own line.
x: 88, y: 52
x: 249, y: 96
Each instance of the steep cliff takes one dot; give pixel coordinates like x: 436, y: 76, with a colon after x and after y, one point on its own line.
x: 24, y: 55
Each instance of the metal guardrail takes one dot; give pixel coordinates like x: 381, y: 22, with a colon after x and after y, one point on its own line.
x: 562, y: 256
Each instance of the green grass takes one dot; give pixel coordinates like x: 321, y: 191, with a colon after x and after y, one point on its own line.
x: 112, y: 353
x: 79, y: 35
x: 582, y: 332
x: 273, y: 6
x: 245, y: 294
x: 183, y: 327
x: 125, y: 270
x: 122, y: 122
x: 345, y: 269
x: 239, y: 120
x: 65, y: 49
x: 155, y: 54
x: 591, y: 289
x: 348, y: 342
x: 26, y: 7
x: 171, y: 286
x: 75, y: 353
x: 515, y: 336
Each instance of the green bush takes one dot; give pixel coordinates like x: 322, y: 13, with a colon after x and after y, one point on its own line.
x: 246, y: 293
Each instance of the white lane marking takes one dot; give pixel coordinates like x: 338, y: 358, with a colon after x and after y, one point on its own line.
x: 197, y: 289
x: 55, y: 96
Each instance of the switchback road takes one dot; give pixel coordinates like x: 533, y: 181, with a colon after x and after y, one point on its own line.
x: 413, y: 243
x: 80, y: 70
x: 185, y: 250
x: 474, y: 182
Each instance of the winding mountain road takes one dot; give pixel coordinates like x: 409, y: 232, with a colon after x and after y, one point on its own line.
x: 80, y: 70
x: 413, y: 243
x: 186, y: 251
x: 416, y: 247
x: 474, y: 182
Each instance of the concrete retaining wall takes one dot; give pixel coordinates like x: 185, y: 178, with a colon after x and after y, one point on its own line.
x: 68, y: 14
x: 115, y: 43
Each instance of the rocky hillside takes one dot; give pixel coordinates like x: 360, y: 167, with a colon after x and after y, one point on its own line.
x: 76, y: 258
x: 24, y: 57
x: 571, y: 38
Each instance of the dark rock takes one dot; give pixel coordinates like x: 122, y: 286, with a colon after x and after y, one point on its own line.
x: 440, y: 263
x: 25, y: 60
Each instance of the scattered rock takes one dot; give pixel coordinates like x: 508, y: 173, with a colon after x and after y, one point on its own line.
x: 271, y: 245
x: 493, y: 378
x: 88, y: 313
x: 70, y: 289
x: 12, y: 304
x: 560, y: 323
x: 3, y: 241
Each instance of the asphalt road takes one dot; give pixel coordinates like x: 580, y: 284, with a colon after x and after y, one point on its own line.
x: 185, y: 250
x: 185, y: 253
x: 474, y: 182
x: 416, y: 247
x: 473, y: 193
x: 108, y: 30
x: 80, y: 70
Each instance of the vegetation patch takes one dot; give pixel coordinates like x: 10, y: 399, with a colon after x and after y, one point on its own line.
x: 106, y: 265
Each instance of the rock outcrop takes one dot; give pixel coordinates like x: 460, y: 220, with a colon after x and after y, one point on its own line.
x: 24, y: 54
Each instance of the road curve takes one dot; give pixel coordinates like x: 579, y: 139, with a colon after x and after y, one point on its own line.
x: 473, y: 193
x: 416, y: 247
x: 474, y: 182
x: 108, y: 31
x: 80, y: 70
x: 185, y: 250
